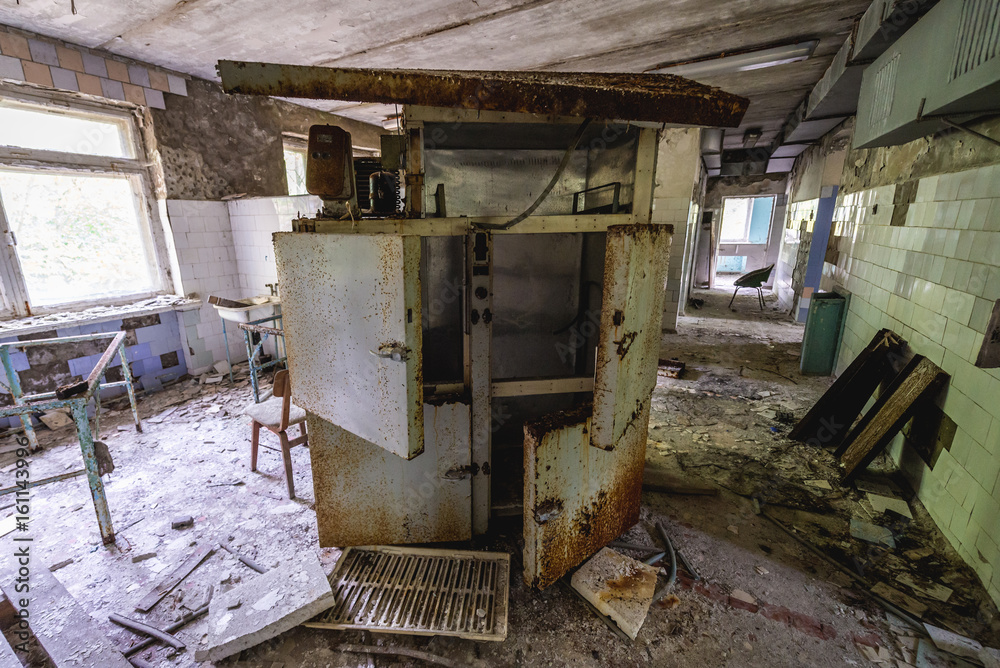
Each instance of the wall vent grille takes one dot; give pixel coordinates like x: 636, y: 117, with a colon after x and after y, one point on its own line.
x: 885, y: 88
x: 978, y: 38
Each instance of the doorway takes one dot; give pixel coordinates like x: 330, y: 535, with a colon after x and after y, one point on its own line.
x: 744, y: 235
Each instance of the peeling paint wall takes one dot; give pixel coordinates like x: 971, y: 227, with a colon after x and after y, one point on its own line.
x: 213, y: 145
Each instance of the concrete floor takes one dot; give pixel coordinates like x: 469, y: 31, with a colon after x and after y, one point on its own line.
x: 719, y: 424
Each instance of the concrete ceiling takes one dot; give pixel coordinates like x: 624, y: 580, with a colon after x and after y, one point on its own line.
x: 569, y: 35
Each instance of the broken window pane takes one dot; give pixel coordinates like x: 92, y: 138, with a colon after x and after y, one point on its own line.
x: 23, y: 126
x: 78, y: 236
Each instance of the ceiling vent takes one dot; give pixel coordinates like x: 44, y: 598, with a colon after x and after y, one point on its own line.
x: 946, y: 64
x: 972, y: 84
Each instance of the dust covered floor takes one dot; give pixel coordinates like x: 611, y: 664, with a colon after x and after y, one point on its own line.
x: 763, y: 599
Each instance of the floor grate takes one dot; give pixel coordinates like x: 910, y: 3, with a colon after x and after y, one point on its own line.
x: 420, y: 592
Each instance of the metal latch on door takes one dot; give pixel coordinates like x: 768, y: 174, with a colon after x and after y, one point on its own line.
x: 396, y: 353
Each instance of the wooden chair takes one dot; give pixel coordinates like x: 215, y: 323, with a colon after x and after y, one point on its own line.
x: 278, y: 413
x: 754, y: 279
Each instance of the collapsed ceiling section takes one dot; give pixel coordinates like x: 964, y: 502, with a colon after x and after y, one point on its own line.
x: 657, y: 98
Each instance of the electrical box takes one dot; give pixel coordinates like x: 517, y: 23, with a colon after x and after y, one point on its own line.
x: 330, y: 163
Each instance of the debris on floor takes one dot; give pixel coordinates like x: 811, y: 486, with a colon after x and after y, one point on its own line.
x: 672, y: 368
x: 619, y: 587
x: 265, y: 607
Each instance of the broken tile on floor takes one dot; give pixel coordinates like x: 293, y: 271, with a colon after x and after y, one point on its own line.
x: 265, y: 607
x: 619, y: 587
x: 953, y: 643
x: 882, y: 503
x: 872, y: 533
x: 899, y: 599
x: 925, y: 588
x: 929, y: 656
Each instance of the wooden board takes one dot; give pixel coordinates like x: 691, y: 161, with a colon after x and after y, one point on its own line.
x: 829, y: 420
x: 348, y: 302
x: 174, y: 578
x: 916, y: 383
x: 635, y: 274
x: 577, y: 498
x: 67, y: 633
x: 366, y: 496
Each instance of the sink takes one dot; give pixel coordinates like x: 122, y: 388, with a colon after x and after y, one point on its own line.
x: 246, y: 310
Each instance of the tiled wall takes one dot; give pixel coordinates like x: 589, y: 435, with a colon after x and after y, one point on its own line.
x: 39, y: 60
x: 677, y: 171
x: 253, y: 222
x: 152, y: 344
x: 206, y: 257
x: 933, y: 277
x: 794, y: 249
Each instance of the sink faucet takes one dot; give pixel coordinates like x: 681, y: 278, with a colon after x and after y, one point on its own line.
x: 273, y: 287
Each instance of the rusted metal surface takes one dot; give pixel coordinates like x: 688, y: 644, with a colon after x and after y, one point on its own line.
x: 577, y: 498
x: 366, y: 496
x: 635, y: 274
x: 351, y: 313
x: 659, y: 98
x: 419, y: 591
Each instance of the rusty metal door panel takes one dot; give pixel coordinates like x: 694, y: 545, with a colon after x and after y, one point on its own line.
x: 577, y: 498
x: 351, y: 310
x: 635, y: 275
x: 366, y: 496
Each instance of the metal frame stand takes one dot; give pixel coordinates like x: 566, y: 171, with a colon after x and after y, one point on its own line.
x: 77, y: 403
x: 258, y: 327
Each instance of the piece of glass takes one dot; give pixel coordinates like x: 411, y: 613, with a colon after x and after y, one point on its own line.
x: 23, y: 126
x: 79, y: 236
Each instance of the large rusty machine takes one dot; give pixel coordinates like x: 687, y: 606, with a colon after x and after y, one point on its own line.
x: 491, y: 348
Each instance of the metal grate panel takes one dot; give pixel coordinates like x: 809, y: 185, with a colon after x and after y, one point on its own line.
x: 420, y: 592
x: 884, y: 91
x: 978, y: 38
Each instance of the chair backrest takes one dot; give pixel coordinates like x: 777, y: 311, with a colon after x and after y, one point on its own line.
x: 281, y: 387
x: 755, y: 278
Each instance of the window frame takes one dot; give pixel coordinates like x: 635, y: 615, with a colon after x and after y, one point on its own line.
x: 13, y: 289
x: 293, y: 143
x: 745, y: 241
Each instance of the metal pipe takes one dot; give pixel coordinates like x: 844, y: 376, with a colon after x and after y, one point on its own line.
x: 246, y: 560
x: 965, y: 128
x: 146, y: 629
x: 176, y: 626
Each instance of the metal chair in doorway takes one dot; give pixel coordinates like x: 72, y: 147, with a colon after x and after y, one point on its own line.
x: 754, y: 279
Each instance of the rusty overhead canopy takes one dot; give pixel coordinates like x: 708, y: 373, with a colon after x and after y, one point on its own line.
x: 658, y: 98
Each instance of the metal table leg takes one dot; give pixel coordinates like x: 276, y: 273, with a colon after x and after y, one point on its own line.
x: 79, y: 410
x: 229, y: 361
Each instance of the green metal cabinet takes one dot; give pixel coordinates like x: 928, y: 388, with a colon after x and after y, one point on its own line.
x: 821, y: 340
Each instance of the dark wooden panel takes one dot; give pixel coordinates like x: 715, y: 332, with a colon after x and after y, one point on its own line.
x: 829, y: 421
x: 918, y: 381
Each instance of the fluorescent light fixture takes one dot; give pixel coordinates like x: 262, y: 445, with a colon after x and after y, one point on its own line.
x: 740, y: 61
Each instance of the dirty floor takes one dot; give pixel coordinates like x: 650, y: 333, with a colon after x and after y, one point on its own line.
x: 763, y: 598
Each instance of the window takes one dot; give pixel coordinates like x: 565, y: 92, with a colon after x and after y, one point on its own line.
x: 746, y: 220
x: 295, y: 167
x: 73, y: 205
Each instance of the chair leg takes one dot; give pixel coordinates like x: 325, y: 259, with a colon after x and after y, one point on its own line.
x: 734, y: 297
x: 254, y: 442
x: 286, y: 454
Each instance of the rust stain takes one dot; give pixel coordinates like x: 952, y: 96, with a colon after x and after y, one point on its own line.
x: 660, y: 98
x: 625, y: 343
